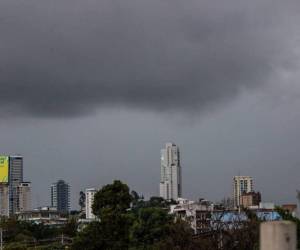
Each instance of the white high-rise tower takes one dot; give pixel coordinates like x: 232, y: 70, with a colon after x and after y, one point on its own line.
x: 241, y: 184
x: 170, y: 180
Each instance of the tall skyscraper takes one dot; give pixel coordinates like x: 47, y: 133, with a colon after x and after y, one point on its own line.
x: 241, y: 184
x: 60, y: 196
x: 15, y: 178
x: 170, y: 180
x: 24, y: 196
x: 89, y: 200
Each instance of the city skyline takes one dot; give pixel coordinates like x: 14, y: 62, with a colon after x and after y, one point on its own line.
x: 90, y: 92
x: 170, y: 174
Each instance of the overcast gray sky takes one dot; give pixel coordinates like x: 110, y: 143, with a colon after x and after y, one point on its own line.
x: 91, y: 90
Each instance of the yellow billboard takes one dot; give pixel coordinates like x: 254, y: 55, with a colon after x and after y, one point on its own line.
x: 4, y: 169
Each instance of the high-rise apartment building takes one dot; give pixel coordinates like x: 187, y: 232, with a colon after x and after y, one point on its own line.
x: 241, y: 184
x: 60, y: 196
x: 170, y: 180
x: 15, y: 178
x: 24, y: 196
x: 89, y: 200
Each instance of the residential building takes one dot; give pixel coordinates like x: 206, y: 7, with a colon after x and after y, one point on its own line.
x: 24, y: 196
x: 60, y: 196
x: 45, y: 216
x: 197, y: 214
x: 15, y: 178
x: 4, y: 200
x: 267, y: 205
x: 250, y: 199
x: 241, y: 184
x: 205, y: 217
x: 89, y: 200
x: 171, y: 180
x: 291, y: 208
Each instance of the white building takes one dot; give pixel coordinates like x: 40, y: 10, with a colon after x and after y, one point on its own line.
x: 241, y: 184
x: 24, y: 196
x: 170, y: 181
x: 89, y: 200
x: 197, y: 214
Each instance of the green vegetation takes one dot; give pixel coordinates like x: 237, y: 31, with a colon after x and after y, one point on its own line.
x: 128, y: 222
x: 19, y: 235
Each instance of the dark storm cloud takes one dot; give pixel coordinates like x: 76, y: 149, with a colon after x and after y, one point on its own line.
x: 70, y: 57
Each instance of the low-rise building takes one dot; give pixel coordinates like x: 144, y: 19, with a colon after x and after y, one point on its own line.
x: 267, y: 205
x: 291, y: 208
x: 4, y: 200
x: 203, y: 216
x: 250, y: 199
x: 197, y: 214
x: 46, y: 216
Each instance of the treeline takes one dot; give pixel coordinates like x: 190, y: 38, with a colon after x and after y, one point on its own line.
x: 21, y: 235
x: 126, y: 221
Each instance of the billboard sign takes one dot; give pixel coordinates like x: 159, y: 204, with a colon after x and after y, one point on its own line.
x: 4, y: 162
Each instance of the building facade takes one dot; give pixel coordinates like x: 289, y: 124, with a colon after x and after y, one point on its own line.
x: 60, y: 196
x: 15, y: 195
x: 290, y: 208
x: 15, y: 179
x: 241, y: 184
x: 4, y: 200
x: 171, y: 180
x: 89, y: 200
x: 197, y: 214
x: 46, y: 216
x: 250, y: 199
x: 24, y: 197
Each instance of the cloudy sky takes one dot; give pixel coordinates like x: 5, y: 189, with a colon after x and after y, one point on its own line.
x: 91, y: 90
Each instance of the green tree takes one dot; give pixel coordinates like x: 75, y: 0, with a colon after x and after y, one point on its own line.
x: 91, y: 238
x: 111, y: 205
x: 112, y: 198
x: 70, y: 229
x: 179, y: 236
x: 151, y: 225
